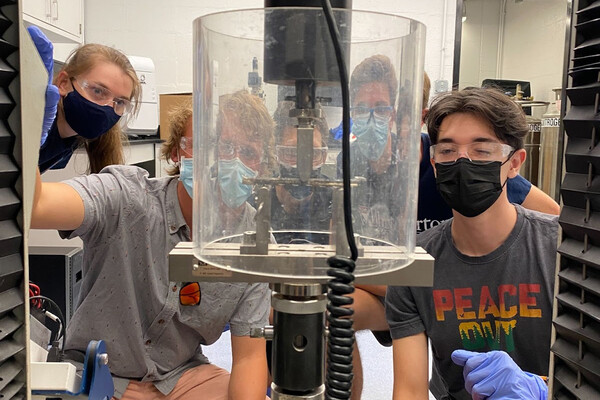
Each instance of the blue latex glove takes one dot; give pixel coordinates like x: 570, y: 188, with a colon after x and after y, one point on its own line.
x: 338, y: 131
x: 494, y: 375
x: 45, y: 49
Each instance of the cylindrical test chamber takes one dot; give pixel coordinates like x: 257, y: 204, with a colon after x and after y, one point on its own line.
x: 267, y: 170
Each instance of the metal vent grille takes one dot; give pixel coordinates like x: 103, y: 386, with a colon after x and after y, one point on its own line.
x: 576, y: 348
x: 12, y: 330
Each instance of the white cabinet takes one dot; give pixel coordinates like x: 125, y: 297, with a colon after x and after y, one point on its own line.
x: 61, y: 21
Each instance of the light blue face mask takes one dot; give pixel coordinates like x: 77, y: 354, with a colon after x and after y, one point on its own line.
x: 371, y: 135
x: 233, y: 192
x: 186, y: 174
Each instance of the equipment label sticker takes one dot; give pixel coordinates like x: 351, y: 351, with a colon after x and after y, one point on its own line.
x: 210, y: 270
x: 550, y: 122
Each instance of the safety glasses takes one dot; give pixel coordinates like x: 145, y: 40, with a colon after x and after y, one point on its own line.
x: 104, y: 97
x: 478, y: 152
x: 189, y: 294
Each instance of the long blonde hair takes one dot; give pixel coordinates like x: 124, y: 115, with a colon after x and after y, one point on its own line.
x: 107, y: 149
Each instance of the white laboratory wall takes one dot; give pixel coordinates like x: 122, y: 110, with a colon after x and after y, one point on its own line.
x: 479, y: 42
x: 526, y: 43
x: 163, y: 31
x: 534, y: 44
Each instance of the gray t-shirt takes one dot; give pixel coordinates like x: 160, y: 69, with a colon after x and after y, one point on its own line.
x: 500, y: 301
x: 131, y: 224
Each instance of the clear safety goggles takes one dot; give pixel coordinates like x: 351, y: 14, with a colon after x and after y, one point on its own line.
x: 248, y: 155
x: 288, y: 156
x: 365, y: 113
x: 104, y: 97
x: 480, y: 152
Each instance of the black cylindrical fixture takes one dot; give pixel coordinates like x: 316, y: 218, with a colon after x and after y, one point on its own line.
x: 305, y: 94
x: 298, y: 351
x: 298, y: 44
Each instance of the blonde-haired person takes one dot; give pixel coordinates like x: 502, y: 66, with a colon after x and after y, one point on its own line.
x: 180, y: 140
x: 84, y: 102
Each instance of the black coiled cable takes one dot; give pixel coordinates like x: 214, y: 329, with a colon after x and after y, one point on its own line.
x: 338, y: 383
x: 341, y: 334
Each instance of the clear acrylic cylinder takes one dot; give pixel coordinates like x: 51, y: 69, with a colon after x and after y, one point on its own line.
x: 267, y: 140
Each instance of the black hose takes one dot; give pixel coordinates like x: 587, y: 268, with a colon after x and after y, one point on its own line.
x: 341, y: 334
x: 335, y: 38
x: 338, y: 385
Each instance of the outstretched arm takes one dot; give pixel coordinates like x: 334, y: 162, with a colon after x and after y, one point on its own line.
x: 411, y: 368
x: 249, y: 369
x: 56, y: 206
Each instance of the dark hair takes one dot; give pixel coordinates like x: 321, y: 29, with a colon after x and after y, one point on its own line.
x: 283, y: 120
x: 504, y: 116
x: 377, y: 68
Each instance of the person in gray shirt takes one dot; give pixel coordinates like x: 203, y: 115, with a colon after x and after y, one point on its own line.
x: 154, y: 328
x: 488, y: 315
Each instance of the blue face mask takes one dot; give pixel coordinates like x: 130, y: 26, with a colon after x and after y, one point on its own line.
x: 371, y: 136
x: 186, y: 175
x: 233, y: 192
x: 87, y: 118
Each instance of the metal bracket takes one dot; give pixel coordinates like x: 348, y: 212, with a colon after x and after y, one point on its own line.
x: 185, y: 267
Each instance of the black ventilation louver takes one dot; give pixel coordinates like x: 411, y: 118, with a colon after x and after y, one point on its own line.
x: 576, y: 348
x: 13, y: 375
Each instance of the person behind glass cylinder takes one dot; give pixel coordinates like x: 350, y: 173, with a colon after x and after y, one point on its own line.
x: 245, y: 149
x: 373, y: 91
x: 95, y: 88
x: 299, y: 206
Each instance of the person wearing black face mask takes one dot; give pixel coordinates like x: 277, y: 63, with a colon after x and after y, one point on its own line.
x: 470, y: 185
x: 494, y: 270
x: 432, y: 209
x: 95, y: 88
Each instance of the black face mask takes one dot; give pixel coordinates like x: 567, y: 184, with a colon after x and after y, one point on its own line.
x: 299, y: 192
x: 469, y: 188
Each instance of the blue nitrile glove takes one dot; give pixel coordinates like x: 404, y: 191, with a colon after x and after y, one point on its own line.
x: 338, y: 131
x: 494, y: 375
x: 45, y: 49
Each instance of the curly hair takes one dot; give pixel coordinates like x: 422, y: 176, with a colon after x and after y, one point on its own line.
x: 179, y: 117
x: 254, y: 116
x: 503, y: 115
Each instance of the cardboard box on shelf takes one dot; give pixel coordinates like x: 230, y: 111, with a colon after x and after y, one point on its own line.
x: 167, y: 102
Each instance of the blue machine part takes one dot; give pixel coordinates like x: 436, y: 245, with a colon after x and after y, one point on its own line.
x: 96, y: 381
